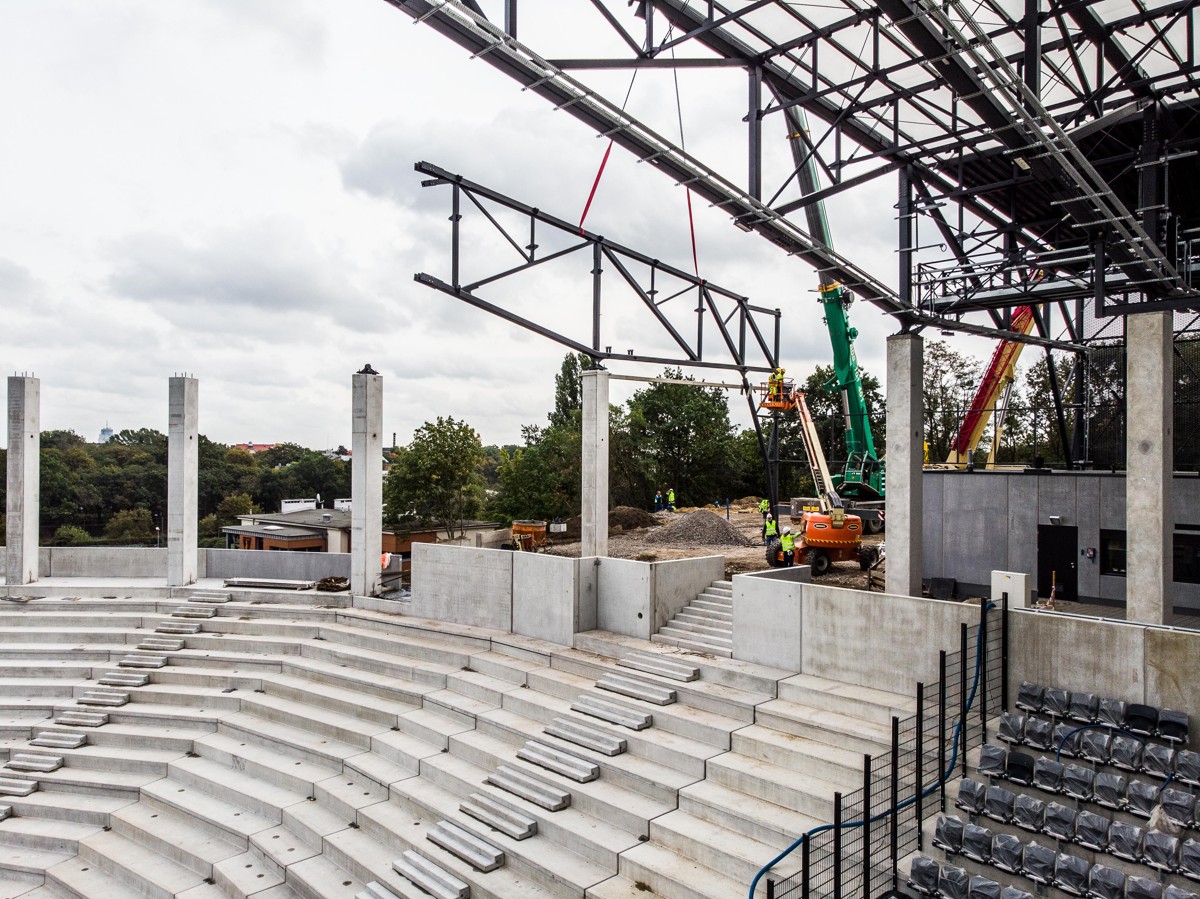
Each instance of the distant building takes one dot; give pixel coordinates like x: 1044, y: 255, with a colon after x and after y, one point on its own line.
x: 253, y: 448
x: 106, y: 434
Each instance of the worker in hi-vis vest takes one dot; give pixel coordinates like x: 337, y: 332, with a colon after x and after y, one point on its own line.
x: 671, y: 498
x: 770, y: 529
x: 789, y: 547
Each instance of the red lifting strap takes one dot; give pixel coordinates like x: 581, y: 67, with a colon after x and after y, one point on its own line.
x: 595, y: 185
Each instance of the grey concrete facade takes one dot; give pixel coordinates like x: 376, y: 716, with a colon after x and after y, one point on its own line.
x: 23, y: 504
x: 183, y: 479
x: 594, y: 518
x: 905, y: 457
x: 1149, y: 453
x: 366, y: 485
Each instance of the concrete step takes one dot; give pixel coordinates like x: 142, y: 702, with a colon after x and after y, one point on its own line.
x: 103, y: 698
x: 637, y: 689
x: 41, y: 687
x: 45, y: 833
x: 273, y: 764
x: 60, y: 806
x: 529, y: 788
x: 478, y: 853
x: 41, y: 764
x: 417, y: 671
x: 341, y: 727
x: 798, y: 753
x: 121, y: 679
x: 568, y: 766
x: 655, y: 664
x: 844, y: 731
x: 657, y: 871
x: 719, y: 848
x: 764, y: 821
x: 372, y: 683
x: 149, y: 736
x: 722, y: 622
x: 583, y: 735
x: 238, y: 788
x: 174, y: 835
x: 340, y: 699
x: 151, y: 874
x: 792, y: 789
x: 81, y: 879
x: 700, y: 627
x: 216, y: 815
x: 695, y: 642
x: 177, y: 628
x: 161, y: 644
x: 97, y: 782
x: 507, y: 667
x: 348, y: 793
x: 499, y: 815
x: 16, y: 786
x: 295, y: 741
x: 713, y: 607
x: 185, y: 695
x: 30, y: 860
x: 194, y: 612
x: 408, y: 645
x: 209, y: 596
x: 246, y: 875
x: 51, y: 740
x: 847, y: 699
x: 81, y: 719
x: 319, y: 878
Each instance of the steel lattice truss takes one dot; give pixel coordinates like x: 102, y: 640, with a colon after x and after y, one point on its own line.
x: 1044, y: 151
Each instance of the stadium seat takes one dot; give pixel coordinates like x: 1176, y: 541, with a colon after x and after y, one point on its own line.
x: 954, y: 883
x: 1161, y: 850
x: 984, y: 888
x: 948, y: 834
x: 1111, y: 711
x: 1039, y: 733
x: 1071, y: 874
x: 1187, y: 767
x: 977, y: 843
x: 1125, y: 841
x: 1180, y: 806
x: 1048, y: 775
x: 923, y: 876
x: 1012, y: 728
x: 1173, y: 726
x: 1011, y: 892
x: 1020, y: 768
x: 993, y: 761
x: 1037, y: 863
x: 1109, y: 790
x: 1105, y: 883
x: 1060, y: 822
x: 1006, y: 853
x: 1126, y: 752
x: 1143, y: 888
x: 1174, y: 892
x: 1158, y: 760
x: 1142, y: 798
x: 1066, y: 740
x: 971, y: 795
x: 1029, y: 696
x: 1029, y: 813
x: 1055, y: 702
x: 1141, y: 719
x: 1091, y: 831
x: 1083, y: 707
x: 998, y: 804
x: 1189, y: 859
x: 1079, y: 782
x: 1095, y: 746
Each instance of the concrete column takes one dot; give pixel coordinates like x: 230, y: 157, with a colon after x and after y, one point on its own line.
x: 366, y: 484
x: 1149, y: 454
x: 595, y: 463
x: 905, y: 458
x: 24, y: 479
x: 183, y: 479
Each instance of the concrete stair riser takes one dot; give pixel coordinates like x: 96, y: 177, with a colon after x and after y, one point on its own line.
x: 118, y: 784
x: 403, y: 750
x: 223, y: 820
x: 296, y: 630
x: 480, y: 686
x: 268, y: 764
x: 291, y: 741
x: 237, y: 643
x: 175, y: 837
x: 204, y: 678
x: 434, y: 726
x: 318, y: 878
x: 792, y: 790
x: 123, y: 759
x: 241, y: 790
x: 152, y: 875
x: 226, y: 661
x: 506, y: 667
x: 42, y: 688
x: 683, y: 721
x: 247, y: 875
x: 374, y: 769
x: 311, y: 823
x: 44, y: 653
x: 81, y: 879
x: 694, y: 638
x: 330, y: 724
x: 417, y: 649
x: 700, y: 626
x: 345, y: 794
x: 363, y: 707
x: 369, y: 683
x: 716, y: 847
x: 847, y: 699
x: 671, y: 877
x: 800, y: 754
x: 758, y: 819
x: 162, y: 739
x: 278, y: 848
x: 850, y: 734
x: 70, y: 807
x: 45, y: 834
x: 380, y: 663
x: 186, y: 696
x: 71, y: 636
x: 661, y: 667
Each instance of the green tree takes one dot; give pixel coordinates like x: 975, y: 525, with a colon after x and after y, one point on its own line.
x: 435, y: 479
x: 948, y: 388
x: 70, y: 535
x: 234, y: 505
x: 568, y: 389
x: 130, y: 526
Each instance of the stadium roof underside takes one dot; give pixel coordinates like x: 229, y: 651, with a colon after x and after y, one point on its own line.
x: 1045, y: 152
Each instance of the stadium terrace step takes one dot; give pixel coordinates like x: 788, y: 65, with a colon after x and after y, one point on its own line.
x: 270, y: 764
x: 795, y: 790
x: 175, y: 836
x: 319, y: 878
x: 764, y: 821
x: 112, y: 698
x: 650, y: 869
x: 717, y: 847
x: 292, y: 739
x: 40, y: 764
x: 478, y: 853
x: 663, y: 667
x: 246, y: 791
x: 499, y: 816
x: 867, y: 703
x: 229, y: 821
x: 194, y: 612
x: 582, y: 735
x: 520, y: 784
x: 247, y: 875
x: 694, y: 642
x: 52, y: 740
x: 121, y: 679
x: 160, y: 644
x: 636, y: 689
x: 845, y: 731
x: 186, y: 630
x: 342, y: 699
x: 45, y: 834
x: 342, y: 727
x: 612, y: 713
x: 430, y: 877
x: 118, y: 784
x: 799, y: 754
x: 78, y: 877
x: 81, y: 719
x: 559, y: 762
x: 15, y: 786
x: 55, y: 805
x: 151, y: 874
x: 347, y: 793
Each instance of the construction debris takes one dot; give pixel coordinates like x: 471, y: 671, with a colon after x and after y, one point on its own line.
x: 701, y: 528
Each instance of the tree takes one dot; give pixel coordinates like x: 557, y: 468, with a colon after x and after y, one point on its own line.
x: 568, y: 388
x: 435, y: 479
x: 540, y: 479
x: 234, y: 505
x: 948, y: 388
x: 130, y: 526
x: 70, y: 535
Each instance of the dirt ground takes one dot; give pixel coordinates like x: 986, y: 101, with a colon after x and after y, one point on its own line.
x: 744, y: 516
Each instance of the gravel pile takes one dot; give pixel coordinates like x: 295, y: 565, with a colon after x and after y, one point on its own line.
x: 622, y: 518
x: 699, y: 528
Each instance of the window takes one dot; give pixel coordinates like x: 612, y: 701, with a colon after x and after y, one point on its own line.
x: 1187, y: 556
x: 1112, y: 553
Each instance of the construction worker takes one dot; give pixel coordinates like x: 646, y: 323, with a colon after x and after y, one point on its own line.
x: 788, y: 542
x: 770, y: 529
x: 764, y: 506
x: 775, y: 383
x: 671, y: 498
x: 658, y: 501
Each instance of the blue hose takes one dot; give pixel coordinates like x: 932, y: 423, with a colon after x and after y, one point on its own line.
x: 907, y: 802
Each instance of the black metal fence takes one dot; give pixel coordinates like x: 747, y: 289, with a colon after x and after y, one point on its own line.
x: 857, y: 854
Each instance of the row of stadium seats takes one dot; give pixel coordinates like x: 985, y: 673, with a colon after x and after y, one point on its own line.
x: 1046, y: 868
x: 1087, y: 708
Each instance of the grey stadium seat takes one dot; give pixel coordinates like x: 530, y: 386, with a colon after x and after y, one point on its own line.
x: 1079, y: 782
x: 1141, y: 719
x: 1174, y: 892
x: 1012, y: 728
x: 998, y: 803
x: 1020, y: 768
x: 1096, y: 746
x: 1011, y: 892
x: 993, y: 761
x: 1006, y: 853
x: 1161, y: 850
x: 1039, y: 733
x: 1029, y: 696
x: 1142, y: 888
x: 971, y: 794
x: 1180, y: 806
x: 1029, y: 813
x: 1125, y: 841
x: 1105, y: 883
x: 1091, y: 831
x: 1060, y: 822
x: 1083, y: 707
x: 984, y: 888
x: 1066, y: 740
x: 1111, y: 711
x: 1071, y: 874
x: 1173, y: 726
x: 948, y: 834
x: 1109, y: 789
x: 1142, y: 798
x: 1037, y: 863
x: 1048, y: 775
x: 924, y: 874
x: 1126, y: 752
x: 1187, y: 767
x: 1189, y: 859
x: 1158, y: 760
x: 954, y: 883
x: 1055, y: 702
x: 977, y: 843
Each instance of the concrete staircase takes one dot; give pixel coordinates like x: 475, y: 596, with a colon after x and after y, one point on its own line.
x: 705, y: 624
x: 293, y: 750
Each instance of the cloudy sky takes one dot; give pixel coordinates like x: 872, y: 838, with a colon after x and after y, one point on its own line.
x: 225, y: 188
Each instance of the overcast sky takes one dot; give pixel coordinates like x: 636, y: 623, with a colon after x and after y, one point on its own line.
x: 225, y: 188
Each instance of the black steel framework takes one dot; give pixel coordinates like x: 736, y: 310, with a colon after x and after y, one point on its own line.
x: 1045, y: 152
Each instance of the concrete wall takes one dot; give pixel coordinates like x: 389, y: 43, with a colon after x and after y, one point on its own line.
x: 283, y: 565
x: 549, y: 599
x: 678, y: 582
x: 964, y: 513
x: 625, y: 590
x: 768, y: 617
x: 463, y: 585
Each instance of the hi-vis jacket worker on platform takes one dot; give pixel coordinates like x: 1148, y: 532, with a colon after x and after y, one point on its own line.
x: 775, y: 382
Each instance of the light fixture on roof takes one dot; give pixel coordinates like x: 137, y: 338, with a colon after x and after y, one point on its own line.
x: 1021, y: 163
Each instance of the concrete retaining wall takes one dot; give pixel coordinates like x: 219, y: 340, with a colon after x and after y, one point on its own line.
x: 283, y: 565
x: 625, y: 590
x: 550, y: 600
x: 768, y: 617
x: 678, y: 582
x: 463, y: 585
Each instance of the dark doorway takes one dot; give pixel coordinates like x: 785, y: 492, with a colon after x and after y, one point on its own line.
x: 1058, y: 554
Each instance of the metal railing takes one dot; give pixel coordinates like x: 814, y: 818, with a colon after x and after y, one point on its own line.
x: 858, y: 854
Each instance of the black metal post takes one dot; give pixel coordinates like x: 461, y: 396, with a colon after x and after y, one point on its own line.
x: 942, y: 725
x: 1004, y: 651
x: 837, y: 846
x: 962, y: 696
x: 919, y: 786
x: 895, y: 800
x: 982, y: 662
x: 455, y: 218
x: 597, y: 273
x: 804, y: 875
x: 770, y: 888
x: 866, y: 828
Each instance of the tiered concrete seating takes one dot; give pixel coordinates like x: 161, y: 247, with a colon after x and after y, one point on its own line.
x: 705, y: 624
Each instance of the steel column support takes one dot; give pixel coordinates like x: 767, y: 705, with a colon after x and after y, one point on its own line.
x: 754, y: 147
x: 1033, y: 47
x: 510, y: 17
x: 905, y: 218
x: 597, y: 281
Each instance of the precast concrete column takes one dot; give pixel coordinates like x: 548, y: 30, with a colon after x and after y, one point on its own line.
x: 366, y: 484
x: 905, y: 458
x: 594, y: 526
x: 24, y: 479
x: 1149, y: 452
x: 183, y: 479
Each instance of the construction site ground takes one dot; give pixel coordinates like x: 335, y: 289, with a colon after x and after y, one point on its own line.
x: 689, y: 532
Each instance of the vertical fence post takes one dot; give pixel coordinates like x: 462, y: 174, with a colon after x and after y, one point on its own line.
x: 962, y: 696
x: 866, y: 827
x: 894, y: 798
x: 804, y: 875
x: 984, y: 680
x: 941, y: 751
x: 919, y: 786
x: 770, y: 888
x: 1004, y: 651
x: 837, y: 846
